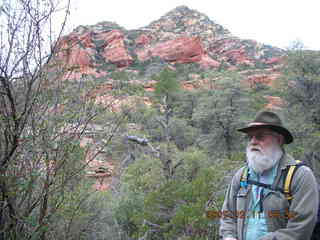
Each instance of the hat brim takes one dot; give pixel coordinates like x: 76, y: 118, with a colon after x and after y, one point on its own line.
x: 288, y: 138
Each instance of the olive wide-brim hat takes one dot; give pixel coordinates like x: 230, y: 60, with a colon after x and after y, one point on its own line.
x: 271, y: 121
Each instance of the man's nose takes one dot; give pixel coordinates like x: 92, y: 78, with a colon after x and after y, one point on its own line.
x: 254, y: 140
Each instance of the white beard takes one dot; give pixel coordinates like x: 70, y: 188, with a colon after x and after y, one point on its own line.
x: 260, y: 161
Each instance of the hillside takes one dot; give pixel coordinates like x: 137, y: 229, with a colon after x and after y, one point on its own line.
x: 121, y: 65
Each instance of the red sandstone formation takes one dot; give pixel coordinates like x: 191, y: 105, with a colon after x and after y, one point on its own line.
x: 238, y: 57
x: 274, y: 102
x: 97, y: 167
x: 114, y: 48
x: 76, y: 52
x: 71, y: 54
x: 74, y: 56
x: 115, y: 104
x: 86, y: 40
x: 267, y: 79
x: 142, y: 40
x: 181, y: 50
x: 231, y: 50
x: 207, y: 62
x: 274, y: 60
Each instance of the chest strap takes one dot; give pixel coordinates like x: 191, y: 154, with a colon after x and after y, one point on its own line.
x: 286, y: 189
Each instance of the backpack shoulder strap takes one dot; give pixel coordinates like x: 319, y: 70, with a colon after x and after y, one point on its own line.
x: 244, y: 177
x: 290, y: 171
x: 245, y: 181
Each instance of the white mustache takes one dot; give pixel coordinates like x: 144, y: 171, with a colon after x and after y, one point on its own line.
x: 254, y: 148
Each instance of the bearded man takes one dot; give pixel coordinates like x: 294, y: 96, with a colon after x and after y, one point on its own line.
x: 255, y: 207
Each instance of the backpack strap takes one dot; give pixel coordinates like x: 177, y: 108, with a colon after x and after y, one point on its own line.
x: 286, y: 190
x: 290, y: 171
x: 245, y: 181
x: 244, y: 177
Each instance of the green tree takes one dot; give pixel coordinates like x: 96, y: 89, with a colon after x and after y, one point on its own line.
x: 167, y: 83
x: 165, y: 89
x: 301, y: 92
x: 302, y: 83
x: 220, y: 112
x: 176, y: 208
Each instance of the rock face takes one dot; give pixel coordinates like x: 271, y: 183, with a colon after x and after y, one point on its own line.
x: 114, y: 49
x: 181, y: 36
x: 79, y: 51
x: 265, y: 79
x: 180, y: 50
x: 234, y: 52
x: 142, y: 40
x: 274, y: 103
x: 71, y: 54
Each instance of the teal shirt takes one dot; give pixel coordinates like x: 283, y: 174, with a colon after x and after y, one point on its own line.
x: 256, y: 222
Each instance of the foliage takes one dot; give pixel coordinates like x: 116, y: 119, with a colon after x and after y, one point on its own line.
x: 166, y: 83
x: 303, y: 78
x: 143, y: 175
x: 301, y: 90
x: 42, y: 120
x: 184, y: 70
x: 177, y: 207
x: 220, y: 112
x: 182, y: 134
x: 149, y: 67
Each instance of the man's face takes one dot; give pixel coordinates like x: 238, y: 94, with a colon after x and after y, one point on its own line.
x: 261, y: 139
x: 263, y: 149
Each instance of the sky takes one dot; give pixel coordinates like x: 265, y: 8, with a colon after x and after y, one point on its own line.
x: 278, y: 23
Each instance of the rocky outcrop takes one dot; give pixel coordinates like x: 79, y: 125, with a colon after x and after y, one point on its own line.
x: 142, y: 40
x: 181, y: 50
x: 75, y: 57
x: 237, y: 52
x: 266, y: 79
x: 181, y: 36
x: 71, y: 54
x: 274, y: 103
x: 115, y: 104
x: 114, y: 49
x: 207, y: 62
x: 98, y: 166
x: 274, y: 60
x: 185, y: 21
x: 76, y: 52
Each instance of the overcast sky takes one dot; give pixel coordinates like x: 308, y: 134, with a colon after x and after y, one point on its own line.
x: 274, y: 22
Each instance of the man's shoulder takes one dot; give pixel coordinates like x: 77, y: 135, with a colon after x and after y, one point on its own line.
x: 304, y: 177
x: 287, y: 160
x: 301, y: 168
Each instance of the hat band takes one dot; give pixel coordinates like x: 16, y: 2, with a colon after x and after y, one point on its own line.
x: 257, y: 124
